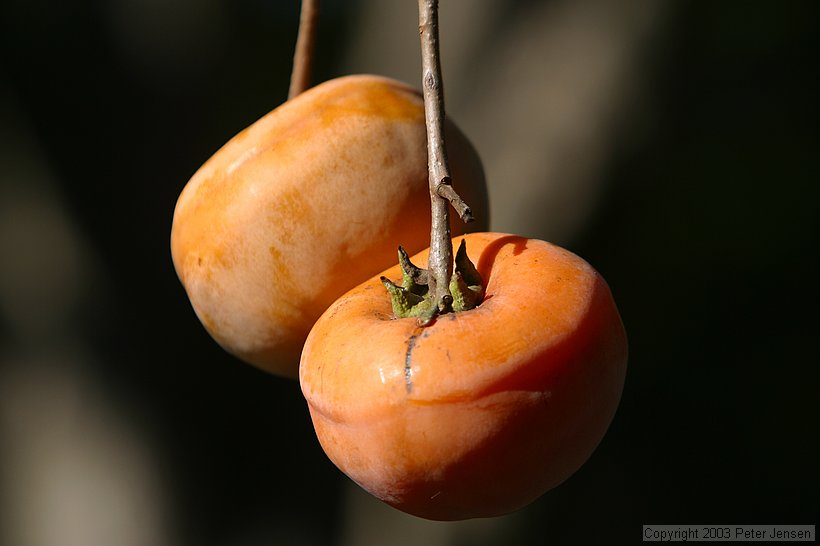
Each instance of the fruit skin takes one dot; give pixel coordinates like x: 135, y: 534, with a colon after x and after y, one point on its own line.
x: 305, y: 204
x: 483, y: 411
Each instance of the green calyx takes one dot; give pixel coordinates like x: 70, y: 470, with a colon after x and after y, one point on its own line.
x: 413, y: 298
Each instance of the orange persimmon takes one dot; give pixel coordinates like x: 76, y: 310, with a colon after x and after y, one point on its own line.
x: 482, y: 411
x: 271, y: 229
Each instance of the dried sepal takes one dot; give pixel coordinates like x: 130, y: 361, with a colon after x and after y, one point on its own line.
x: 413, y: 297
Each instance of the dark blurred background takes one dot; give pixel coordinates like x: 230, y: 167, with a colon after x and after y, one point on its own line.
x: 671, y: 144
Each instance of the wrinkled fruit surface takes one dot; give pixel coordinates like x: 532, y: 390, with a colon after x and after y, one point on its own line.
x: 305, y: 204
x: 483, y: 411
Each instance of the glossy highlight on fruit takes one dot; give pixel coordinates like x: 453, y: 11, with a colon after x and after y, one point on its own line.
x: 305, y: 204
x: 482, y: 411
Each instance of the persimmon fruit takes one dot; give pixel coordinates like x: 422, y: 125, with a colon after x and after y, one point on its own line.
x: 305, y: 204
x: 484, y: 410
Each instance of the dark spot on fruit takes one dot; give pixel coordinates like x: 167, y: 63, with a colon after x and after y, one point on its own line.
x: 408, y: 365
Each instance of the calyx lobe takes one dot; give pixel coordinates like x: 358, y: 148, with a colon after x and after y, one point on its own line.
x: 412, y: 298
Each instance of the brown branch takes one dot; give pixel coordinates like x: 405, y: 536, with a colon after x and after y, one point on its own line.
x: 464, y: 211
x: 440, y: 262
x: 305, y: 44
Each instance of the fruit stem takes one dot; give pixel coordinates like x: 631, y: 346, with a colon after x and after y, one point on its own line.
x: 440, y: 263
x: 305, y: 44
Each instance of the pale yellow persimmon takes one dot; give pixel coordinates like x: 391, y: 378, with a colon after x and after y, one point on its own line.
x: 305, y: 204
x: 482, y: 411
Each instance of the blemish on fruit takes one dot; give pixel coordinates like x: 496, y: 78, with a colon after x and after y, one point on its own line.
x: 408, y: 365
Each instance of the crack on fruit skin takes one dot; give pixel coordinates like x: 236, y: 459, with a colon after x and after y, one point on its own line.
x: 408, y: 365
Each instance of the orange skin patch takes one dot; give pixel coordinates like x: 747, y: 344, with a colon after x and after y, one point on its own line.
x: 305, y: 204
x: 483, y: 411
